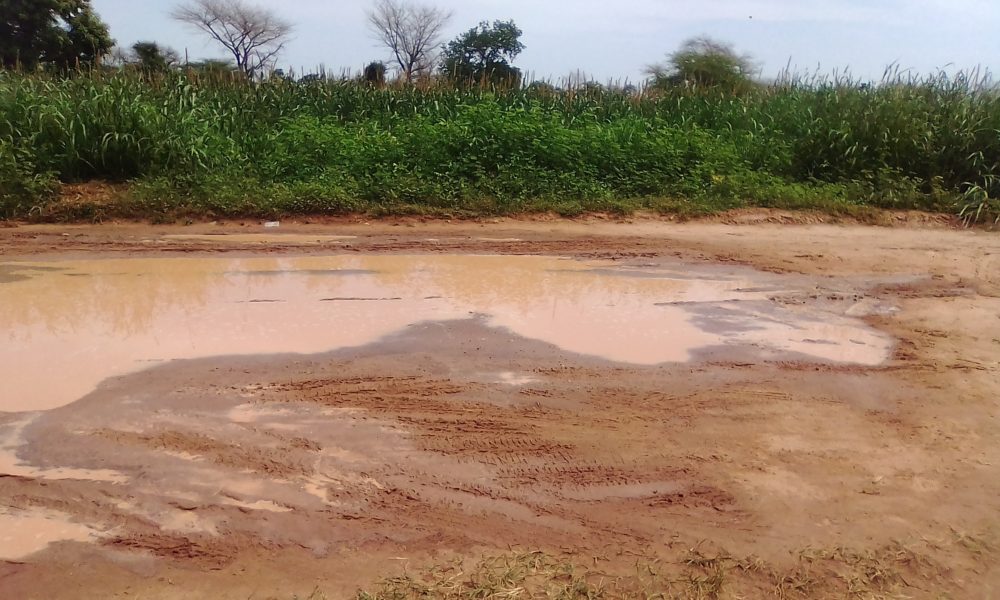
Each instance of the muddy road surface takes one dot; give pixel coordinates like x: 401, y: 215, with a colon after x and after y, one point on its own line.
x: 228, y: 411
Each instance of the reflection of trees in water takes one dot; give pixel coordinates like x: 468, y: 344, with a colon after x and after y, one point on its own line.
x: 519, y: 284
x: 15, y: 272
x: 124, y: 297
x: 116, y: 297
x: 119, y: 310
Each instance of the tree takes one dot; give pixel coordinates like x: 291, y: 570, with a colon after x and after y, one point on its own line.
x: 374, y: 74
x: 253, y: 35
x: 150, y: 57
x: 705, y: 63
x: 57, y: 32
x: 485, y: 53
x: 411, y: 32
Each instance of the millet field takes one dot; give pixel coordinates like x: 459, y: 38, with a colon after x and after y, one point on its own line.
x: 185, y: 144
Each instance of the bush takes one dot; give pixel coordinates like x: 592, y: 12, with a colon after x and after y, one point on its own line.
x: 21, y: 187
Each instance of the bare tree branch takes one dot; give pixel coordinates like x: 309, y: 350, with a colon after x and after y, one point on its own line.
x: 411, y: 32
x: 253, y: 35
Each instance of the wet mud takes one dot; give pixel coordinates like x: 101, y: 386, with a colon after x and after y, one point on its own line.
x: 414, y: 406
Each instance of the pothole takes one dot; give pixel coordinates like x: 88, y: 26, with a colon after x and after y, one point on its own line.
x: 66, y: 329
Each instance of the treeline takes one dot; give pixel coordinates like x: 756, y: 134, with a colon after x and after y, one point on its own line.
x: 66, y: 36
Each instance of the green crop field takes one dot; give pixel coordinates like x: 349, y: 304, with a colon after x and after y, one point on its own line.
x: 216, y: 146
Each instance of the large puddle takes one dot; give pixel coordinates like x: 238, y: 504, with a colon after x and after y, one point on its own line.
x: 66, y: 326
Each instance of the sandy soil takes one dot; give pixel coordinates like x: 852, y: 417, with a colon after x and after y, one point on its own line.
x: 406, y: 452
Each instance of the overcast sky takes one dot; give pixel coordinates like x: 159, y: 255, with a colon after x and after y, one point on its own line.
x: 616, y: 39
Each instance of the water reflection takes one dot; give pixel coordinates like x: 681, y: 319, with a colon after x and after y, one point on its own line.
x: 66, y: 326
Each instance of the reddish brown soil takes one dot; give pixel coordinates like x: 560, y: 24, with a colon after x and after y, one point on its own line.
x: 398, y: 454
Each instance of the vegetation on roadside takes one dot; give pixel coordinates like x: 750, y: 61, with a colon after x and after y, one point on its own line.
x: 219, y: 145
x: 459, y: 131
x: 896, y: 570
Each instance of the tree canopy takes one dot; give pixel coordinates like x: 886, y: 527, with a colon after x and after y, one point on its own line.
x: 485, y: 53
x: 374, y: 73
x: 63, y: 33
x: 150, y: 57
x: 705, y: 63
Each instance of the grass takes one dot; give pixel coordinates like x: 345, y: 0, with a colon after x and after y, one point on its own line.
x: 216, y: 147
x: 896, y: 570
x: 977, y: 205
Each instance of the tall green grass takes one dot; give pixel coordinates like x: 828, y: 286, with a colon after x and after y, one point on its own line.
x: 225, y: 147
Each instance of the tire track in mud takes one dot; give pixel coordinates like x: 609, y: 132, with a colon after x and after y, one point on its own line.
x: 220, y: 461
x: 274, y: 461
x: 516, y: 439
x: 431, y: 448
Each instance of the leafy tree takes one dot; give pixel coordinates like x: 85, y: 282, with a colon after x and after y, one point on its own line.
x: 374, y: 74
x: 57, y: 32
x: 705, y: 63
x: 150, y: 57
x: 485, y: 53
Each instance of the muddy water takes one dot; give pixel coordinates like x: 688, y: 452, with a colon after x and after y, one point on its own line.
x: 67, y: 326
x: 23, y: 533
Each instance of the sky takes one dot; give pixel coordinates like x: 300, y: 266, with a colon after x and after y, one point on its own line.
x: 615, y: 40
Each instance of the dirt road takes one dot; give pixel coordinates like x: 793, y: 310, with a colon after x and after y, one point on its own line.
x: 270, y: 476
